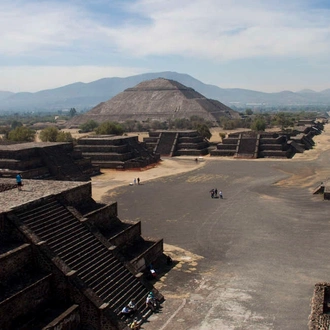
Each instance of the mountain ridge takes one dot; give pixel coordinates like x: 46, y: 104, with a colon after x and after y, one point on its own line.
x: 85, y: 96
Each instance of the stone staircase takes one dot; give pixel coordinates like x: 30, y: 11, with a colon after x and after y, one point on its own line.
x: 248, y: 147
x: 165, y: 144
x: 93, y: 262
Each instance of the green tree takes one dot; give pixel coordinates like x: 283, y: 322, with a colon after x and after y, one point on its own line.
x: 204, y: 131
x: 73, y: 112
x: 15, y: 124
x: 89, y: 126
x: 49, y: 134
x: 249, y: 112
x: 64, y: 137
x: 109, y: 127
x: 283, y: 120
x: 259, y: 124
x: 21, y: 134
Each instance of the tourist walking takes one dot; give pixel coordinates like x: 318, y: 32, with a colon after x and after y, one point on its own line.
x: 134, y: 181
x: 19, y: 181
x: 138, y: 180
x: 220, y: 194
x: 212, y: 193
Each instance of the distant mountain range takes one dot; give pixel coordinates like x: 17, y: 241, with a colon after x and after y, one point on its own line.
x: 84, y: 96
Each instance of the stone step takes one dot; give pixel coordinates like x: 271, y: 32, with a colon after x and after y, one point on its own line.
x: 125, y: 293
x: 114, y: 269
x: 50, y: 229
x: 42, y: 220
x: 113, y: 293
x: 93, y: 271
x: 75, y: 237
x: 46, y: 213
x: 80, y: 249
x: 84, y: 256
x: 58, y: 233
x: 98, y: 261
x: 79, y: 262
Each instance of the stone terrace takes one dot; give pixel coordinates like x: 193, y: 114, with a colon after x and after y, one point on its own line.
x: 52, y: 246
x: 32, y: 190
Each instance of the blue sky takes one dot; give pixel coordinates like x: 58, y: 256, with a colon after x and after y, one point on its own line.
x: 254, y: 44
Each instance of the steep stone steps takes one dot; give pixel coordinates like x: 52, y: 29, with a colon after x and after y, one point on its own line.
x: 94, y: 264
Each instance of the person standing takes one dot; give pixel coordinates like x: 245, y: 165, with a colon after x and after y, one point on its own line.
x: 220, y: 194
x: 138, y: 180
x: 134, y: 181
x: 19, y: 181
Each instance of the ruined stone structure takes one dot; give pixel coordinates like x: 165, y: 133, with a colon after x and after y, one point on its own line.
x: 109, y: 151
x: 263, y: 144
x: 67, y: 262
x: 177, y: 143
x: 46, y: 160
x: 158, y: 99
x: 320, y: 307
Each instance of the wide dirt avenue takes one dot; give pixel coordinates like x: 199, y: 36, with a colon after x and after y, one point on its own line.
x: 249, y: 261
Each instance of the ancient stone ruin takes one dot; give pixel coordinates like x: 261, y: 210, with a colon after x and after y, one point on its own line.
x: 177, y: 143
x: 319, y: 318
x: 67, y: 262
x: 158, y: 99
x: 269, y: 144
x: 46, y: 160
x: 117, y: 152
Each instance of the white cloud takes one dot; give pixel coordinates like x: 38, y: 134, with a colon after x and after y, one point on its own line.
x: 205, y: 29
x: 27, y: 27
x: 32, y: 79
x: 224, y: 30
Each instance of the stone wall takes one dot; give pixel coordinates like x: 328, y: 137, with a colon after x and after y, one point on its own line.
x: 69, y: 320
x: 126, y: 235
x: 78, y: 195
x: 319, y: 318
x: 14, y: 260
x: 22, y: 302
x: 102, y: 217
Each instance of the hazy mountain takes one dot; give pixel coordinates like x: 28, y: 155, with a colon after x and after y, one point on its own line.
x: 4, y: 94
x: 87, y: 95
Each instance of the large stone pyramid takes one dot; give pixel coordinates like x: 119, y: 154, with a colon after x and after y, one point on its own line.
x: 158, y: 99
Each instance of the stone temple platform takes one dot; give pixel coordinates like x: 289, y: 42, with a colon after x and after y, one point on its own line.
x: 32, y: 190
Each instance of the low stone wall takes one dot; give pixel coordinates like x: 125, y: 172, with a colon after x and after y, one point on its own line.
x: 77, y: 195
x: 14, y: 260
x: 148, y: 256
x: 127, y: 235
x: 69, y: 320
x: 24, y: 301
x: 319, y: 318
x: 102, y: 217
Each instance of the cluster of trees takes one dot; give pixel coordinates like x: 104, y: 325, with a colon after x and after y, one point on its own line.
x: 53, y: 134
x: 195, y: 122
x: 260, y: 121
x: 16, y: 127
x: 19, y: 133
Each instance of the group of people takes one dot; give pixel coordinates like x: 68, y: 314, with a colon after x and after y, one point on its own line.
x: 136, y: 180
x: 130, y: 309
x: 214, y: 193
x: 152, y: 302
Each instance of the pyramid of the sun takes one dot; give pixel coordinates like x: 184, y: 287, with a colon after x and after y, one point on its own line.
x: 158, y: 99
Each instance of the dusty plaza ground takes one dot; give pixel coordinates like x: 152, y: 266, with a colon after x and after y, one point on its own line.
x: 249, y: 261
